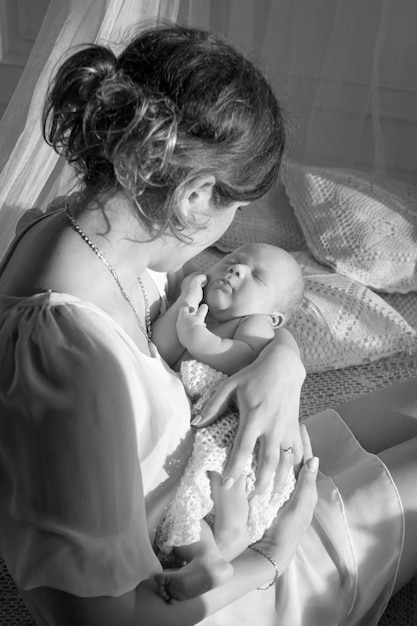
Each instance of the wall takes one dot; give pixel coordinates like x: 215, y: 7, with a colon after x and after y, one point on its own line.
x: 347, y: 70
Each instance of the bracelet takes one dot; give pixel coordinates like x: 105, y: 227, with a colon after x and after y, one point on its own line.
x: 273, y: 563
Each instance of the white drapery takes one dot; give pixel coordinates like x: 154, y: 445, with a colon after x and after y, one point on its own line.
x: 345, y: 70
x: 31, y: 172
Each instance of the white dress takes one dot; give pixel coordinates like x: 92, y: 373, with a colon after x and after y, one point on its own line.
x: 91, y: 429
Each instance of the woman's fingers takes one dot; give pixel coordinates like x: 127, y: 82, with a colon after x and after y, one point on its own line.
x: 243, y: 446
x: 300, y: 507
x: 280, y: 441
x: 298, y: 448
x: 216, y: 404
x: 271, y: 461
x: 294, y: 518
x: 250, y: 431
x: 286, y: 460
x: 306, y: 442
x: 278, y: 451
x: 304, y: 497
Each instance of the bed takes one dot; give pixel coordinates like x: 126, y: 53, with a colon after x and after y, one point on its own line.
x: 355, y: 236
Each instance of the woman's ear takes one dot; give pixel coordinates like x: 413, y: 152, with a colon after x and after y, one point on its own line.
x: 277, y: 319
x: 196, y: 195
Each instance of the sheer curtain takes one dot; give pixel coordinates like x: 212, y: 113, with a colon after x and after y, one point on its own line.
x: 31, y: 172
x: 345, y: 70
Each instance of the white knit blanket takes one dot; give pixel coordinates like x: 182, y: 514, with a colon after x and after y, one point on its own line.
x: 212, y: 446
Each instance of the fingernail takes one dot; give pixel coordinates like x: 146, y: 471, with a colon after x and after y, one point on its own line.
x: 313, y: 464
x: 196, y: 420
x: 228, y: 482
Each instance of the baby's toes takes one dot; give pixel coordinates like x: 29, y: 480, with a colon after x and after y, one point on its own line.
x: 162, y: 582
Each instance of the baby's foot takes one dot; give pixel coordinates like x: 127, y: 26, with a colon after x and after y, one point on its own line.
x: 195, y: 578
x: 162, y: 584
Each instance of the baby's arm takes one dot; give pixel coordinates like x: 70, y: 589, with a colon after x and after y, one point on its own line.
x: 227, y: 355
x: 164, y: 332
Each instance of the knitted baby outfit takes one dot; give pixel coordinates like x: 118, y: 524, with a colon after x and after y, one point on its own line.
x: 212, y: 445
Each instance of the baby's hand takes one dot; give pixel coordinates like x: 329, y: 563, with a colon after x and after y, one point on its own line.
x: 192, y: 290
x: 188, y: 321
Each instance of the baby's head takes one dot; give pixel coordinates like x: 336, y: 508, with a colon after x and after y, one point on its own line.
x: 256, y: 278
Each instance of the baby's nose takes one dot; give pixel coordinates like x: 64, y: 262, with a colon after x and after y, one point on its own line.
x: 236, y: 270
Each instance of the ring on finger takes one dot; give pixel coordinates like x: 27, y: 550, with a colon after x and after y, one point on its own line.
x: 290, y: 450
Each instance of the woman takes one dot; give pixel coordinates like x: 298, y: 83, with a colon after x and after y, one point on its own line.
x: 170, y: 138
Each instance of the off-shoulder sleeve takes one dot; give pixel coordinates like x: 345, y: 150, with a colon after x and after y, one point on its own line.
x: 72, y: 512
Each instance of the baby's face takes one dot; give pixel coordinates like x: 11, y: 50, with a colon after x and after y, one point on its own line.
x: 254, y: 279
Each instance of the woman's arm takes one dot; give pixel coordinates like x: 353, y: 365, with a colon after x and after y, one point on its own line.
x: 268, y: 395
x: 144, y: 607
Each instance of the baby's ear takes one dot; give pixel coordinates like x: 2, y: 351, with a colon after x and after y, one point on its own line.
x: 277, y: 319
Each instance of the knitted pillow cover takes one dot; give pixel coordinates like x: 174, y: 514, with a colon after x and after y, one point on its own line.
x: 361, y: 226
x: 342, y: 323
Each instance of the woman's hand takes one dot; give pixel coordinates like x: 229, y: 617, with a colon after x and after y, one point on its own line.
x: 281, y: 540
x: 268, y: 396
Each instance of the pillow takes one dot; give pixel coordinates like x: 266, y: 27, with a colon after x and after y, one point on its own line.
x: 268, y: 220
x: 361, y: 226
x: 405, y: 304
x: 341, y: 323
x: 206, y: 259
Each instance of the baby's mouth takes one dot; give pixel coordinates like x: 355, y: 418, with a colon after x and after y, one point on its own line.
x: 224, y: 285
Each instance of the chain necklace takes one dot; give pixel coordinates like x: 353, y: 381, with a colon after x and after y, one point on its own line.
x: 147, y: 329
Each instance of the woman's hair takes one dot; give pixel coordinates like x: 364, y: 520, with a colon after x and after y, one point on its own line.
x: 177, y: 103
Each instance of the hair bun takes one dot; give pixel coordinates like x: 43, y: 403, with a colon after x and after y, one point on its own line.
x: 147, y: 138
x: 87, y: 70
x: 108, y: 126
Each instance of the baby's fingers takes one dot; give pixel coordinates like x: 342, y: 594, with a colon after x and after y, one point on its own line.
x: 195, y: 282
x: 201, y: 314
